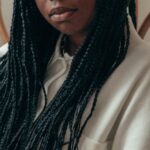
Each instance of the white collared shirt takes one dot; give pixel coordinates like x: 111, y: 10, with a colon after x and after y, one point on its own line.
x: 57, y: 71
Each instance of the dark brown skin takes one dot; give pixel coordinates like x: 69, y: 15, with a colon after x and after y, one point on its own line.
x: 76, y: 26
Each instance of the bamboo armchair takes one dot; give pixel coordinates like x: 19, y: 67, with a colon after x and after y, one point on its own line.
x: 3, y: 32
x: 145, y: 26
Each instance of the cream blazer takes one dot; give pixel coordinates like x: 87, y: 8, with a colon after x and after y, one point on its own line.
x: 121, y: 120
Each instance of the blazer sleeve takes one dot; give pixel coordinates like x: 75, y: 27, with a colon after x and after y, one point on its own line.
x: 133, y: 132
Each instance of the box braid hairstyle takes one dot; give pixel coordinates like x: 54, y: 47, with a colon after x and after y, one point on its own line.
x: 32, y: 43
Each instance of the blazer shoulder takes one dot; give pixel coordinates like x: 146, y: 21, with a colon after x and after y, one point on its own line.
x: 3, y: 50
x: 141, y: 51
x: 144, y: 48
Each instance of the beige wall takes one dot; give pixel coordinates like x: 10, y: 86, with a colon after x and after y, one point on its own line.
x: 144, y: 8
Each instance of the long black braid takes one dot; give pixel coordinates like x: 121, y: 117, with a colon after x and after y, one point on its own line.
x: 132, y: 10
x: 32, y: 43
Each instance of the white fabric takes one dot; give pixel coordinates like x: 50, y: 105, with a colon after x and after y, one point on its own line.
x: 57, y: 71
x: 121, y: 118
x: 3, y: 50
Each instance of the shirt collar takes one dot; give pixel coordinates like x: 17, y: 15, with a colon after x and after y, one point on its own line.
x: 57, y: 53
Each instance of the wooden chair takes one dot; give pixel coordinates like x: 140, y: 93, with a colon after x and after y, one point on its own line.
x: 3, y: 32
x: 145, y: 26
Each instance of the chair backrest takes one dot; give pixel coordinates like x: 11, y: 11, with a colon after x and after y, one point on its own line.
x: 3, y: 32
x: 145, y: 26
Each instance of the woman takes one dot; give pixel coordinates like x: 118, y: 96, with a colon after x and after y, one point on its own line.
x: 74, y: 75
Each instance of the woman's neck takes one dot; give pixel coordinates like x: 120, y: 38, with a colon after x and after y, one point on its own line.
x: 74, y: 43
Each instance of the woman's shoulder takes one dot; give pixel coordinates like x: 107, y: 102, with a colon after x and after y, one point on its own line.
x: 139, y: 52
x: 143, y: 47
x: 3, y: 50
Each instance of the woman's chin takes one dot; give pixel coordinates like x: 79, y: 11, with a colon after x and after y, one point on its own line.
x: 66, y: 31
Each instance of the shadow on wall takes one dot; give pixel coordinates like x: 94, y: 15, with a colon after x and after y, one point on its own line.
x: 6, y: 15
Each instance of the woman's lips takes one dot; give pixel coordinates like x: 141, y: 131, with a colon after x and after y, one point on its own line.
x: 61, y: 13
